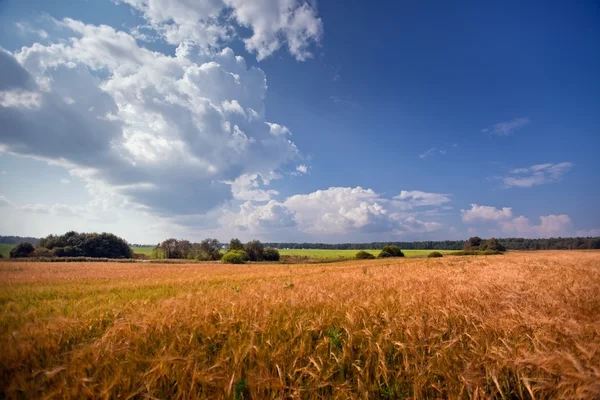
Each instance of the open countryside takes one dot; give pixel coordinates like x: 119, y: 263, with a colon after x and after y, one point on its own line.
x: 521, y: 325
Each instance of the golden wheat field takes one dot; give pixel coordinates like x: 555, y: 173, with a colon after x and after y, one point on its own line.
x: 520, y: 325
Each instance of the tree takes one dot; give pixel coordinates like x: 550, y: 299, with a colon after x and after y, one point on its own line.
x: 435, y: 254
x: 169, y: 248
x: 271, y: 254
x: 393, y: 251
x: 210, y: 249
x: 473, y: 243
x: 255, y: 250
x: 236, y: 244
x: 22, y: 250
x: 493, y: 245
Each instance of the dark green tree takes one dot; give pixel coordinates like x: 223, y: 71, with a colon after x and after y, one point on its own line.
x: 255, y: 250
x: 22, y: 250
x: 236, y: 244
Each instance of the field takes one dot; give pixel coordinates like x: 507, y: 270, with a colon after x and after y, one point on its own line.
x: 146, y: 250
x: 330, y: 254
x: 310, y: 253
x: 5, y: 249
x: 520, y: 325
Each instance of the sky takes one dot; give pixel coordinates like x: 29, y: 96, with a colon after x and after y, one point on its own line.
x: 294, y: 120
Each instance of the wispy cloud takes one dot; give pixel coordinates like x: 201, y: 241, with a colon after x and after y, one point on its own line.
x: 434, y: 151
x: 537, y: 174
x: 507, y: 127
x: 345, y: 102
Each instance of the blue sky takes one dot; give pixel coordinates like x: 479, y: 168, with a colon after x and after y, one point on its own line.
x: 293, y: 120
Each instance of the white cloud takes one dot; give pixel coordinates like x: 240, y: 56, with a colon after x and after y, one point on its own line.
x: 328, y: 213
x: 507, y: 127
x: 550, y: 226
x: 537, y: 174
x: 303, y: 169
x: 5, y: 202
x: 273, y: 23
x: 485, y: 213
x: 246, y: 187
x: 157, y: 131
x: 418, y: 198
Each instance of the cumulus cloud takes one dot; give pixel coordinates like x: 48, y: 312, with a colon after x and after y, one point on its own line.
x: 209, y: 23
x: 550, y: 226
x: 485, y: 213
x: 163, y: 132
x: 537, y: 174
x: 247, y: 187
x: 506, y: 128
x: 334, y: 211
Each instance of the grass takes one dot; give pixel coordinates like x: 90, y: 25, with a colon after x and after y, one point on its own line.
x: 329, y: 254
x: 310, y: 253
x: 524, y: 325
x: 5, y: 249
x: 146, y: 250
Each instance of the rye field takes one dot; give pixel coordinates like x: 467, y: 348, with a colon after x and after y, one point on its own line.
x: 519, y: 325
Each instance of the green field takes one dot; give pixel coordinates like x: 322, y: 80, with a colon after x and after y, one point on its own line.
x: 310, y: 253
x: 324, y: 253
x: 147, y: 250
x: 5, y: 249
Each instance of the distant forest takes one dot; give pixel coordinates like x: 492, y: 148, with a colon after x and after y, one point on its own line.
x: 509, y: 243
x: 18, y: 239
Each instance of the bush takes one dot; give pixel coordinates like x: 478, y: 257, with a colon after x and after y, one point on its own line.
x: 42, y: 252
x: 73, y: 244
x: 391, y: 251
x: 255, y: 250
x: 235, y: 257
x: 435, y: 254
x: 271, y: 254
x: 22, y: 250
x: 364, y: 255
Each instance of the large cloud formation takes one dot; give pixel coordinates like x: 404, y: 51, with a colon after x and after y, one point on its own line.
x: 336, y: 211
x: 164, y: 132
x: 273, y: 23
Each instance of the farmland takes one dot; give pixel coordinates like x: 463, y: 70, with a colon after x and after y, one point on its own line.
x: 5, y: 249
x: 318, y: 253
x: 519, y: 325
x: 331, y: 254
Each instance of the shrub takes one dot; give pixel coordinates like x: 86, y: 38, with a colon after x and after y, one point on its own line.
x: 435, y: 254
x: 255, y: 250
x: 42, y: 252
x: 235, y: 257
x: 393, y: 251
x: 385, y: 254
x: 22, y: 250
x: 271, y: 254
x: 364, y: 255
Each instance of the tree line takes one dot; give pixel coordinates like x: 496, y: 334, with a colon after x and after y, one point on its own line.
x: 108, y: 245
x: 509, y: 243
